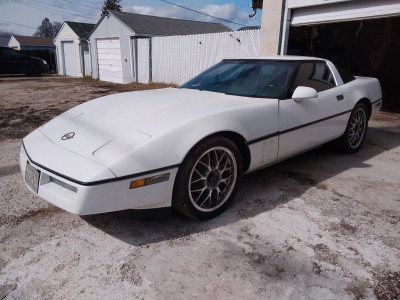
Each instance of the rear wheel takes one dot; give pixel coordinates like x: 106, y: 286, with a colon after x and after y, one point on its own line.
x: 208, y: 178
x: 35, y: 70
x: 354, y: 136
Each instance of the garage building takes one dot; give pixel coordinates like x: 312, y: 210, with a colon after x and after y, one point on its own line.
x: 360, y: 36
x: 120, y: 43
x: 41, y: 47
x: 73, y: 49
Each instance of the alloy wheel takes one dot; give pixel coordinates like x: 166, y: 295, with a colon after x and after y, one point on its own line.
x: 212, y: 179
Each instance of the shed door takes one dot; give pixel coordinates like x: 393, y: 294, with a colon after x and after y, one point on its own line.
x: 143, y: 60
x: 86, y: 63
x: 109, y: 60
x: 69, y: 58
x: 345, y: 11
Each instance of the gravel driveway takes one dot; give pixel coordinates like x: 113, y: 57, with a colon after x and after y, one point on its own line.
x: 322, y: 225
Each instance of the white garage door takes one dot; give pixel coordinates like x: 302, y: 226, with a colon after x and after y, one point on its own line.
x: 109, y: 60
x: 345, y: 11
x: 69, y: 58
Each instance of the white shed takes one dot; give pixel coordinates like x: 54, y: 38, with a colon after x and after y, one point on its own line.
x: 71, y: 46
x: 21, y: 42
x: 120, y: 43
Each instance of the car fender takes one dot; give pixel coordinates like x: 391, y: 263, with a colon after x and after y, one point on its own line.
x: 168, y: 148
x: 363, y: 88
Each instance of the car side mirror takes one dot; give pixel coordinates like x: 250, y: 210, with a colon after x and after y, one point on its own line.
x: 304, y: 92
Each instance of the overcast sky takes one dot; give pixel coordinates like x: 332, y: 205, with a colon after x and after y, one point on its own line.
x: 24, y: 16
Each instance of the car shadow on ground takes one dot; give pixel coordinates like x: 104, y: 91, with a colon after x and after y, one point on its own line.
x: 260, y: 191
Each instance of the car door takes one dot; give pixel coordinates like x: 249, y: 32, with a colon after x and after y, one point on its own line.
x: 14, y: 62
x: 2, y: 66
x: 307, y: 123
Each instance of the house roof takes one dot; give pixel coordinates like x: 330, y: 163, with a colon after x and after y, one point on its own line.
x: 4, y: 41
x: 82, y: 30
x: 32, y: 40
x: 248, y: 28
x: 151, y: 25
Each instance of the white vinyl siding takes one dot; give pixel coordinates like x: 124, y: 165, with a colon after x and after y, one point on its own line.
x: 14, y: 44
x: 109, y: 60
x: 176, y: 59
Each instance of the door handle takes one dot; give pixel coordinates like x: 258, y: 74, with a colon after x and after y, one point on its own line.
x: 340, y: 97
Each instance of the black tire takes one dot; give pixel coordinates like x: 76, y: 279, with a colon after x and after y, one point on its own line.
x: 356, y: 130
x: 35, y: 70
x: 208, y: 178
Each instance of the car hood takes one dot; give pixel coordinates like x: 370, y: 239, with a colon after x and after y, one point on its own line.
x: 131, y: 117
x: 36, y: 59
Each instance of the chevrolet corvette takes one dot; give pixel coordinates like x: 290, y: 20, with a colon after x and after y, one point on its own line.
x: 188, y: 147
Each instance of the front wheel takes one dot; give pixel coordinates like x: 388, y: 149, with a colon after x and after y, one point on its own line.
x: 356, y: 129
x: 35, y: 70
x: 208, y: 178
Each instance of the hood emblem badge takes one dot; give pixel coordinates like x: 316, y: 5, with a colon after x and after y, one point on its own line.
x: 68, y: 136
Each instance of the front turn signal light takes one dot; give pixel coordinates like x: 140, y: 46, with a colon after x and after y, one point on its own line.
x: 137, y: 183
x: 149, y: 180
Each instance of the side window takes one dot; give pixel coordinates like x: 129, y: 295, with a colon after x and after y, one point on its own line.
x: 316, y: 75
x: 346, y: 76
x: 11, y: 54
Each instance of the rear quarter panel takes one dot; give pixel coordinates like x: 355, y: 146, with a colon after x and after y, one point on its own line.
x: 361, y: 88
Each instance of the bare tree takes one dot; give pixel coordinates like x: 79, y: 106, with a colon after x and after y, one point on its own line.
x: 56, y: 28
x: 6, y: 33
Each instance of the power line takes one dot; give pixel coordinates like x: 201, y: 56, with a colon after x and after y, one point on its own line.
x: 12, y: 23
x: 52, y: 11
x: 199, y: 12
x: 60, y: 13
x: 255, y: 19
x: 59, y: 7
x: 81, y: 4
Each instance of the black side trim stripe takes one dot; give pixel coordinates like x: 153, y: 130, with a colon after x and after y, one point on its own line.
x: 99, y: 181
x: 294, y: 128
x: 266, y: 137
x: 377, y: 101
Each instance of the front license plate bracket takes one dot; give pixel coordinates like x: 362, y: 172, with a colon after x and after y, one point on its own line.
x: 32, y: 177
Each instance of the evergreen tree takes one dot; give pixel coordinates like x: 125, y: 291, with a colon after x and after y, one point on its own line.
x: 48, y: 29
x: 45, y: 29
x: 111, y: 5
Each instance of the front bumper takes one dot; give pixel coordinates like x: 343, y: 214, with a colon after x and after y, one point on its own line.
x: 100, y: 196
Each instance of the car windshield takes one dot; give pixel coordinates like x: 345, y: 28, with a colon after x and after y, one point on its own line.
x: 249, y: 78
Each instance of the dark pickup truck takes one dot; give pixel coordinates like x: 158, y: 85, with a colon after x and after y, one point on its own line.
x: 14, y: 62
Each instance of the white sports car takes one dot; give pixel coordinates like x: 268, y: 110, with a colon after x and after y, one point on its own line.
x: 188, y: 147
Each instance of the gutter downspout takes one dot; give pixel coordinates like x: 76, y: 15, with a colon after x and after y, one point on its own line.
x: 281, y: 26
x: 150, y: 60
x: 90, y: 57
x: 81, y: 58
x: 56, y: 55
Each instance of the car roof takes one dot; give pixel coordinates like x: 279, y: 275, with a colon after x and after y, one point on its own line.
x: 280, y: 58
